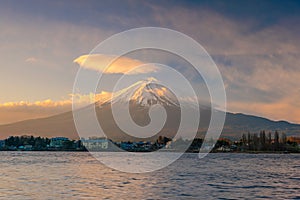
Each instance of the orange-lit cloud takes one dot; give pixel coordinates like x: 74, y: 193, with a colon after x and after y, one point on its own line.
x: 259, y: 64
x: 284, y: 109
x: 122, y: 65
x: 17, y: 111
x: 91, y: 98
x: 45, y: 103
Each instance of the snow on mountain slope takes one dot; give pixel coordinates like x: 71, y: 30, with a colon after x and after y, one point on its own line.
x: 146, y: 93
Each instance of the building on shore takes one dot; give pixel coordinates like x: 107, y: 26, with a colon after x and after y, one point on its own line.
x: 58, y: 142
x: 95, y: 144
x: 2, y: 144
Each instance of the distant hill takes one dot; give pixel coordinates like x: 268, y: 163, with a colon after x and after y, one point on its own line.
x: 239, y: 123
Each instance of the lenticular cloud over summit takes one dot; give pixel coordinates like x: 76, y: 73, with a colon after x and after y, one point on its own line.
x: 122, y: 65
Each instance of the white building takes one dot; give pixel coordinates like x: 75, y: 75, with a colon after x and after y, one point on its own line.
x: 95, y: 144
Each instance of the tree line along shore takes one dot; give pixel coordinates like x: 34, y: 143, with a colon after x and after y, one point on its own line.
x: 248, y: 143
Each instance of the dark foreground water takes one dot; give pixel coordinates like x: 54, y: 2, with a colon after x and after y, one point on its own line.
x: 66, y: 175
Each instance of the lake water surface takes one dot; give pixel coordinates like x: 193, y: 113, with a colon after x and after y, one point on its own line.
x: 77, y: 175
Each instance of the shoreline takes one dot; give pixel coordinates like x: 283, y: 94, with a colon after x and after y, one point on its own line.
x: 236, y: 152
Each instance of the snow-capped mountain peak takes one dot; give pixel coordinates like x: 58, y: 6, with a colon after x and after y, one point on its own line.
x: 146, y: 93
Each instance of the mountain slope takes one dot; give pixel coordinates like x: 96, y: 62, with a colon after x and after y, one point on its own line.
x: 54, y: 126
x: 140, y: 96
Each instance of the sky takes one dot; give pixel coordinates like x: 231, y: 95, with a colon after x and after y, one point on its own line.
x: 255, y: 45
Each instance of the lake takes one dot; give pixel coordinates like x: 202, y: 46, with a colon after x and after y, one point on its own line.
x: 77, y: 175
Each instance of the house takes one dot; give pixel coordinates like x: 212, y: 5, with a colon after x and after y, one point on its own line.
x: 21, y: 147
x: 169, y: 145
x: 95, y: 144
x: 27, y: 147
x: 126, y: 146
x: 2, y: 144
x: 142, y: 146
x: 58, y: 142
x: 223, y: 149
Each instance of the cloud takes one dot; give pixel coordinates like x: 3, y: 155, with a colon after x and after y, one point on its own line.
x: 259, y: 61
x: 122, y: 65
x: 17, y: 111
x: 257, y: 56
x: 285, y: 109
x: 48, y: 103
x: 45, y: 103
x: 36, y: 51
x: 91, y: 97
x: 31, y: 60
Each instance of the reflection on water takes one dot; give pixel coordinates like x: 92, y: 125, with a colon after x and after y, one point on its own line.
x: 67, y: 175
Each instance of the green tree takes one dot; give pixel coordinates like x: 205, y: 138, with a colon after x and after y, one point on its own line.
x: 276, y: 140
x: 262, y: 138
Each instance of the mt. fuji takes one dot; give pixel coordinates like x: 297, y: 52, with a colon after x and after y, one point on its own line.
x: 146, y: 93
x: 139, y: 98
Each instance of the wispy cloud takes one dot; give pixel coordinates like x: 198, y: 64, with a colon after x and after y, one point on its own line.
x: 31, y: 60
x: 259, y: 63
x: 91, y: 97
x: 283, y: 109
x: 45, y: 103
x: 16, y: 111
x: 48, y: 103
x: 258, y: 56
